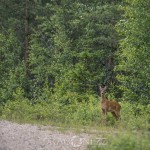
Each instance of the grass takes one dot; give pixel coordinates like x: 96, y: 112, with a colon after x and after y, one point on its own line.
x: 77, y: 114
x: 131, y: 133
x: 125, y: 140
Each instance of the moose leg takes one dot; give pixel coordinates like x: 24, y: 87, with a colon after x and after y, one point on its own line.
x: 118, y: 116
x: 104, y: 113
x: 114, y: 115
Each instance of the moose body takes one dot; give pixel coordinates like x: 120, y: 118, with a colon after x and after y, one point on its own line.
x: 109, y: 106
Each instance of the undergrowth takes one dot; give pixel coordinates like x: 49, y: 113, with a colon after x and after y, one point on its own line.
x: 83, y: 111
x: 74, y: 110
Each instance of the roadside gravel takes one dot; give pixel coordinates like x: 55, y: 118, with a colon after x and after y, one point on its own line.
x: 14, y: 136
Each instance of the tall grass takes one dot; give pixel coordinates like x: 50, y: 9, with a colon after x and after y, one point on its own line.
x: 123, y: 141
x: 73, y: 109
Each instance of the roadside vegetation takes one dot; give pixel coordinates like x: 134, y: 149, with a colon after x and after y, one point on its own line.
x: 130, y: 133
x: 53, y: 59
x: 84, y: 110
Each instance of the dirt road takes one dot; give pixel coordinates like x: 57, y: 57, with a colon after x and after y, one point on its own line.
x: 14, y: 136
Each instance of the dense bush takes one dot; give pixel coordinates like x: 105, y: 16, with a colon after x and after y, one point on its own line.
x: 57, y: 108
x: 134, y: 63
x: 74, y: 109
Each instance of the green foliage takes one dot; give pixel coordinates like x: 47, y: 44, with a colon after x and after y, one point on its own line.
x: 16, y: 109
x: 135, y: 116
x: 73, y: 109
x: 73, y: 47
x: 134, y: 68
x: 77, y: 110
x: 11, y: 68
x: 72, y: 44
x: 66, y: 109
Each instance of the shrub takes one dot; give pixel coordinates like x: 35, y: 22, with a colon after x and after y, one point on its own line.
x: 135, y: 116
x: 74, y: 109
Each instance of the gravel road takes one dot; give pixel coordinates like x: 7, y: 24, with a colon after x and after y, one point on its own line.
x: 14, y: 136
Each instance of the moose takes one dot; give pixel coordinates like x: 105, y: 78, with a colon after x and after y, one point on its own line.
x: 109, y: 105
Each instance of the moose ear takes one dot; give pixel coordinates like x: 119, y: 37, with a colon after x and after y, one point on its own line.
x: 105, y: 87
x: 100, y: 87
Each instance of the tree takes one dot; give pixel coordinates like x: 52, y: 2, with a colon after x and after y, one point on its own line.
x: 15, y: 30
x: 66, y: 43
x: 73, y: 45
x: 134, y: 62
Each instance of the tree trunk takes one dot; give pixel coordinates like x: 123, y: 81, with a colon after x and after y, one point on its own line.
x: 26, y: 42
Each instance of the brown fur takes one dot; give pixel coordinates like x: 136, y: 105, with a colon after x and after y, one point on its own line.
x: 109, y: 106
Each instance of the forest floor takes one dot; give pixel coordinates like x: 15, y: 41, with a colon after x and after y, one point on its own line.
x: 14, y: 136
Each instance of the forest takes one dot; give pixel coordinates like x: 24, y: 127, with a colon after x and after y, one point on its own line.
x: 54, y: 55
